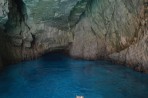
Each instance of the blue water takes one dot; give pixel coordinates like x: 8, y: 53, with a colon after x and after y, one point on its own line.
x: 58, y: 76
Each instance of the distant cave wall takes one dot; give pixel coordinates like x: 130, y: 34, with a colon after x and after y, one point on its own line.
x: 35, y: 27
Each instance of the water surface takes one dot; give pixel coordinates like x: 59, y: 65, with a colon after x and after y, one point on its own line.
x: 58, y: 76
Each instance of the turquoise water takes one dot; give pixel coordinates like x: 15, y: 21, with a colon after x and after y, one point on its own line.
x: 58, y: 76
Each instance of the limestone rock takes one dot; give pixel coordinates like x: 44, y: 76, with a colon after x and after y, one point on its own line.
x: 113, y: 24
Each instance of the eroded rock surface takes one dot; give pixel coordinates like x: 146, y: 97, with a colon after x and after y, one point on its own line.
x: 89, y: 29
x: 136, y: 55
x: 114, y: 25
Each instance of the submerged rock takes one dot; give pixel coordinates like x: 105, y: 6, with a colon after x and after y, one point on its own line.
x: 89, y: 29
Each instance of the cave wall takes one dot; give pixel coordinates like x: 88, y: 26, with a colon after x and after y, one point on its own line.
x: 136, y: 55
x: 112, y: 25
x: 115, y: 30
x: 88, y: 29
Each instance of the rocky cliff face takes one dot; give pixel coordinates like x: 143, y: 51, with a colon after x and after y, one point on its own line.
x: 136, y: 55
x: 89, y: 29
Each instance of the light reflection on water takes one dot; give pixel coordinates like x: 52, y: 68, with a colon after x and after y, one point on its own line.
x: 57, y: 76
